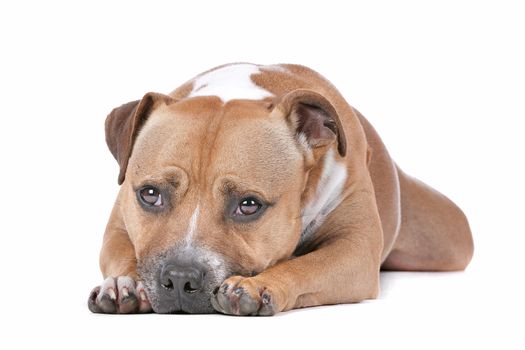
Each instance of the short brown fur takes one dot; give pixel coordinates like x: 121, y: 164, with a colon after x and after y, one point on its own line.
x: 200, y: 148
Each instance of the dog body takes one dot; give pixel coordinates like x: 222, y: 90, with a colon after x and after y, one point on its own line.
x: 252, y: 189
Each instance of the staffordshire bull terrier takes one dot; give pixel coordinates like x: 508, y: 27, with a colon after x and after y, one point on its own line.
x: 251, y: 190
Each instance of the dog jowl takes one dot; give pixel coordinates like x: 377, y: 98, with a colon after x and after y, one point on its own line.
x: 251, y: 190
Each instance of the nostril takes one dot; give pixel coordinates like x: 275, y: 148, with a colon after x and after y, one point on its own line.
x: 167, y: 285
x: 186, y: 281
x: 188, y: 288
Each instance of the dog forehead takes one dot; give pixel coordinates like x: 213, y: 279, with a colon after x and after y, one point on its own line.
x: 256, y: 149
x: 171, y: 132
x: 238, y: 137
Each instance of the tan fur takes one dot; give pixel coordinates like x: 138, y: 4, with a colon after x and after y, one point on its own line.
x: 200, y: 146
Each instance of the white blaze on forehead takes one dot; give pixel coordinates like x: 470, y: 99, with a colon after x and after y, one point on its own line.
x: 327, y: 196
x: 229, y: 83
x: 192, y: 225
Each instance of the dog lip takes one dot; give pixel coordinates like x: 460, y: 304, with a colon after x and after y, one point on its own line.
x: 198, y: 302
x: 185, y: 310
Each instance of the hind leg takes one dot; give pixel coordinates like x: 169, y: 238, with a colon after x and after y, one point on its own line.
x: 434, y: 233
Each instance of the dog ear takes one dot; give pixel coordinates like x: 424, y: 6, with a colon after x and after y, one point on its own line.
x: 123, y: 124
x: 314, y: 119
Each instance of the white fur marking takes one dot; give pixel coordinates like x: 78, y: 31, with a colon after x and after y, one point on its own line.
x: 327, y: 198
x: 192, y: 226
x: 303, y: 140
x: 207, y: 257
x: 202, y: 254
x: 229, y: 83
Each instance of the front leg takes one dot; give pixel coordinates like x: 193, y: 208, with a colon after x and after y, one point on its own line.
x: 121, y: 291
x: 344, y: 268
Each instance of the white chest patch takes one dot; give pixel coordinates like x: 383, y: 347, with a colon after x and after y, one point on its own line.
x: 229, y: 83
x: 327, y: 196
x: 192, y: 226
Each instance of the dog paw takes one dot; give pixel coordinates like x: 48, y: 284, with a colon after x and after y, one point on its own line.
x: 244, y: 296
x: 119, y: 295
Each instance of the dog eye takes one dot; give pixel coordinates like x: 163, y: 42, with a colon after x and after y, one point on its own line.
x: 248, y: 206
x: 151, y: 196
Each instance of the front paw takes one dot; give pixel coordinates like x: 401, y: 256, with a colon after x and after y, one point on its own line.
x: 245, y: 296
x: 119, y: 295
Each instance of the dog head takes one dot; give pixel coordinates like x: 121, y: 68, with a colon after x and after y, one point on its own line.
x: 213, y: 189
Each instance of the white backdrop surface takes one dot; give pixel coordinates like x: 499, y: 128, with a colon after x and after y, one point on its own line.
x: 442, y: 82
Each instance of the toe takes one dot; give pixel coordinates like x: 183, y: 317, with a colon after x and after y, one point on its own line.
x: 223, y: 298
x: 107, y: 297
x: 267, y: 304
x: 144, y: 304
x: 92, y: 301
x: 248, y: 305
x: 235, y: 297
x: 227, y: 296
x: 127, y: 297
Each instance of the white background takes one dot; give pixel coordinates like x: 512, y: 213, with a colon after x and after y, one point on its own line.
x: 443, y: 83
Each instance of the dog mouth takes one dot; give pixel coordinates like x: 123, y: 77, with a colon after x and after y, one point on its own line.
x: 182, y: 281
x: 186, y: 299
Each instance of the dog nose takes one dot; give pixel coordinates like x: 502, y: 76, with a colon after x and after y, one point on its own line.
x: 184, y: 279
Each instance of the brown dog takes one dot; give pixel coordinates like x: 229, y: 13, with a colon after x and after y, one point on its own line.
x: 251, y: 190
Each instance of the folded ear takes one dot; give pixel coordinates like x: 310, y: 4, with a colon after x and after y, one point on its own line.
x: 123, y: 124
x: 314, y: 119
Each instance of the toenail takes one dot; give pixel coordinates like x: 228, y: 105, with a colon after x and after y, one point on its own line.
x: 266, y: 298
x: 112, y: 294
